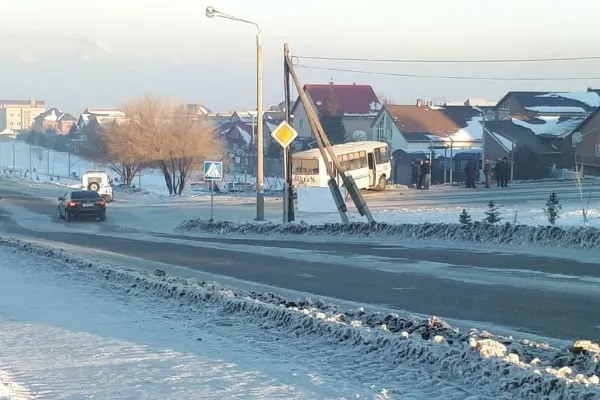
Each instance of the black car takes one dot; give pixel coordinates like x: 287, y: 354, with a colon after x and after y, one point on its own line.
x: 82, y: 203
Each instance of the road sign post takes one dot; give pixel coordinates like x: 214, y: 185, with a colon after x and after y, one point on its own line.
x: 213, y: 171
x: 285, y: 134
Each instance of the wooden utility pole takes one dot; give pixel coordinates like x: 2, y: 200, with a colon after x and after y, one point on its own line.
x: 327, y: 153
x: 288, y: 197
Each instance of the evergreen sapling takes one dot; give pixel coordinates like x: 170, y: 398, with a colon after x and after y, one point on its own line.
x: 465, y: 218
x: 552, y: 208
x: 492, y: 215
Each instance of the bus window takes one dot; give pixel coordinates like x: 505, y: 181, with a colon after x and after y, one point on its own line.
x: 362, y: 159
x: 381, y: 155
x: 305, y: 167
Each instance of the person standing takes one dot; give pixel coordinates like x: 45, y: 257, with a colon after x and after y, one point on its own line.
x: 420, y: 182
x: 498, y: 172
x: 470, y: 171
x: 506, y: 174
x: 487, y: 171
x: 426, y: 172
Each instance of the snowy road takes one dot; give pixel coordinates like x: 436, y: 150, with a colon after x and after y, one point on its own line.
x: 69, y: 332
x: 551, y: 293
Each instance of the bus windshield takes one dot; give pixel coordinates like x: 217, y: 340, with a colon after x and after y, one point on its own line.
x: 381, y: 155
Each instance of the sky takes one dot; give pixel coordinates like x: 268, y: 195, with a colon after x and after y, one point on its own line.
x: 82, y: 53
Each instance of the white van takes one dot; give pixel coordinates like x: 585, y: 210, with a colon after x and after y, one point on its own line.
x: 98, y: 181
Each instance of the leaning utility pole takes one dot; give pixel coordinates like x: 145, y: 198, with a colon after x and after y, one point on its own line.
x: 325, y: 150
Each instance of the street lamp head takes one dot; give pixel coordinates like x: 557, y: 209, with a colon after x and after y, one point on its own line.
x: 210, y: 12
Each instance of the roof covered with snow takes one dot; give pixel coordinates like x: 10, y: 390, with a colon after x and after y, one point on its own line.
x: 343, y: 100
x: 550, y: 125
x: 54, y: 114
x: 508, y: 132
x: 557, y: 102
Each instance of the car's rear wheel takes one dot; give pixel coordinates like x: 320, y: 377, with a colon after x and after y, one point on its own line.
x: 68, y: 216
x: 102, y: 216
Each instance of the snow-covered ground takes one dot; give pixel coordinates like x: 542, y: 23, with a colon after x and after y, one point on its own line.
x: 522, y: 203
x: 75, y: 328
x: 18, y: 157
x: 291, y: 348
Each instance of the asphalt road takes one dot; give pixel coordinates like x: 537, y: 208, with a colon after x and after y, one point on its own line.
x: 539, y: 294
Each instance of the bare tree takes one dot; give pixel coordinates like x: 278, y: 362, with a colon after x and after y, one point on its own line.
x: 172, y: 139
x: 383, y: 99
x: 125, y: 155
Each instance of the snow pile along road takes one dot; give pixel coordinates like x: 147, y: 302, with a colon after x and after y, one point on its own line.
x: 576, y: 237
x: 492, y: 365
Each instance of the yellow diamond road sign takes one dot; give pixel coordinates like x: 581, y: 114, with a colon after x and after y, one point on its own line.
x: 284, y: 134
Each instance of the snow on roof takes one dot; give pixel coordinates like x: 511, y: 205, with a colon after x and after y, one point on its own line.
x: 472, y: 132
x: 503, y: 141
x: 558, y: 110
x: 591, y: 99
x: 246, y: 137
x: 109, y: 112
x: 555, y: 126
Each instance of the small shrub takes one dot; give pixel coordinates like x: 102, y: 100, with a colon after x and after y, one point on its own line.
x: 465, y: 218
x: 552, y: 209
x: 492, y: 214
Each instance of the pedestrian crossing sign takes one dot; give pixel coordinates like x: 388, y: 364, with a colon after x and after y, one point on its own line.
x: 213, y: 170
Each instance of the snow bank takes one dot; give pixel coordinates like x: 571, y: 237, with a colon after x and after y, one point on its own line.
x: 10, y: 390
x: 581, y: 237
x: 478, y: 359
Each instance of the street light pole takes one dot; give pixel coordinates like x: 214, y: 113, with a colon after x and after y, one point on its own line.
x: 211, y: 12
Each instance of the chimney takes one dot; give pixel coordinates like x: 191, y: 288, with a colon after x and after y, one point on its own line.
x: 419, y: 102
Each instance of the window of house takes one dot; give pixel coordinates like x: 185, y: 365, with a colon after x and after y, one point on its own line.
x: 381, y: 128
x: 597, y: 150
x: 503, y: 110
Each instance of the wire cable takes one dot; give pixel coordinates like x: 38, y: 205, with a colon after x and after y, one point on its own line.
x: 455, y: 77
x: 450, y: 61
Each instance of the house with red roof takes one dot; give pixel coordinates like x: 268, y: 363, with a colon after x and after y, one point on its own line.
x: 352, y: 107
x: 55, y: 120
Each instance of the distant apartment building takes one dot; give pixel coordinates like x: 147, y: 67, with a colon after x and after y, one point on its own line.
x: 18, y: 115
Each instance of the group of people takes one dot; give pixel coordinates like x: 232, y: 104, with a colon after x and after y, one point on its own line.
x: 424, y: 175
x: 500, y: 169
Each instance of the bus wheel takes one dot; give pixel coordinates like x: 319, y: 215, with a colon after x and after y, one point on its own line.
x: 382, y: 183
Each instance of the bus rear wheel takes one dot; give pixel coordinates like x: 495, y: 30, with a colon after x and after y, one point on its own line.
x: 382, y: 183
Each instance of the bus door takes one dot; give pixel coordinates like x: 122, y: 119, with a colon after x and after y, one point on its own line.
x: 372, y: 171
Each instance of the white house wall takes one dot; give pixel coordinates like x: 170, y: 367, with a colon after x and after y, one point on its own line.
x: 300, y: 122
x: 353, y: 124
x: 394, y: 137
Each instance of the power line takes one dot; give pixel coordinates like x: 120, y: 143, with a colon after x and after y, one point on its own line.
x: 457, y: 77
x: 450, y: 61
